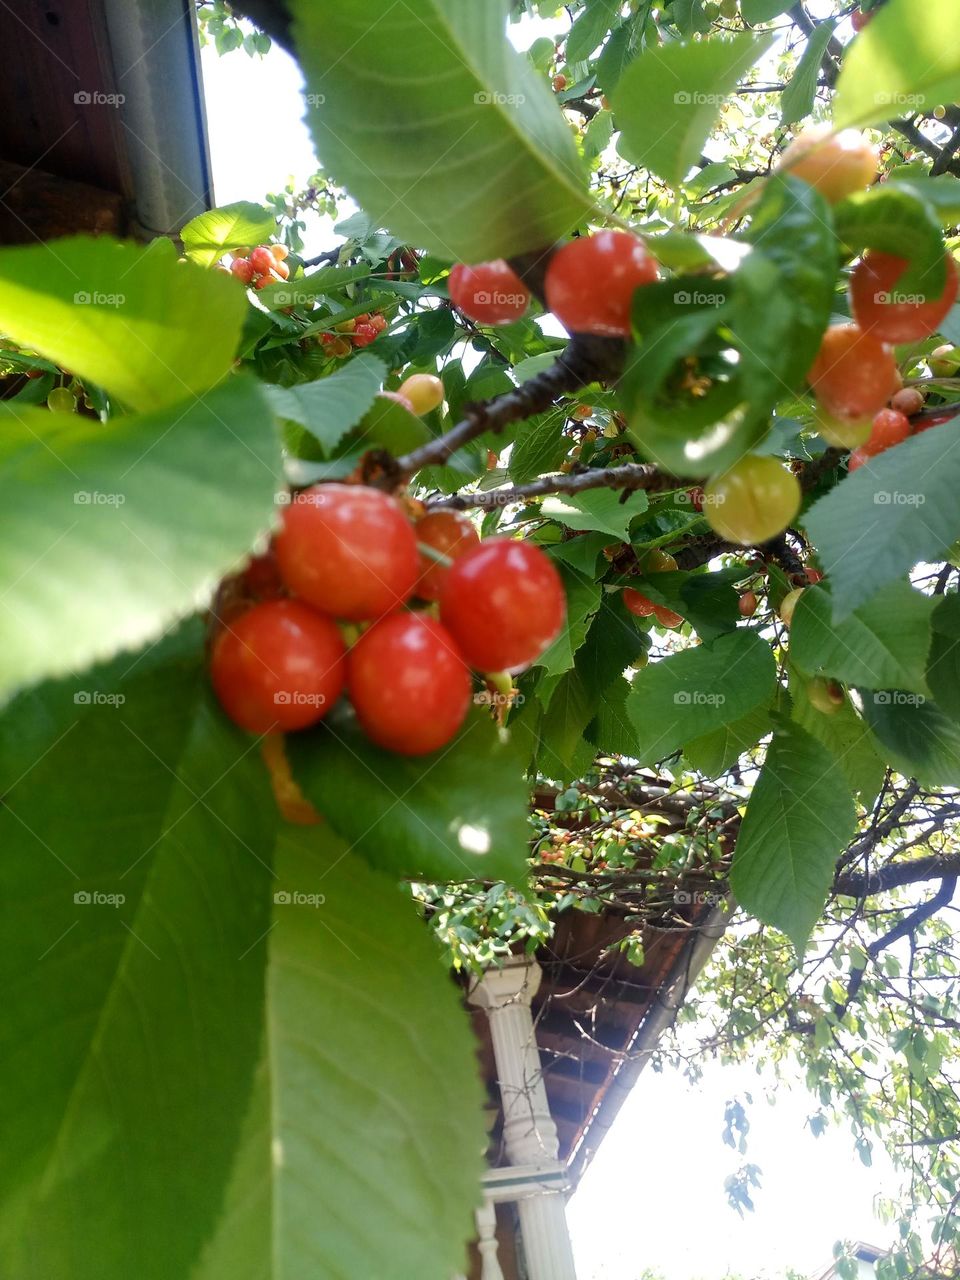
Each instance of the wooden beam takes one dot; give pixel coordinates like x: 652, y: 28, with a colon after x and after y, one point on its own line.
x: 41, y: 206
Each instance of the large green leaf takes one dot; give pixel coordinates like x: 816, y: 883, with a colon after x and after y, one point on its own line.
x: 458, y: 814
x: 756, y: 11
x: 798, y: 820
x: 330, y: 406
x: 150, y: 330
x: 885, y: 517
x: 208, y: 236
x: 943, y: 669
x: 563, y: 753
x: 882, y: 645
x: 668, y: 99
x: 798, y: 97
x: 693, y: 692
x: 716, y: 752
x: 110, y: 532
x: 600, y: 510
x: 583, y: 601
x: 367, y: 1108
x: 439, y: 129
x: 133, y: 968
x: 895, y: 218
x: 596, y: 19
x: 907, y: 60
x: 846, y: 737
x: 914, y: 735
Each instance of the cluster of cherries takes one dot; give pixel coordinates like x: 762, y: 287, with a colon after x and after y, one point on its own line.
x: 341, y: 571
x: 262, y: 266
x: 358, y: 332
x: 640, y: 606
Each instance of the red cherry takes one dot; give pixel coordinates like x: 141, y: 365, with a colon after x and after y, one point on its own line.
x: 854, y: 374
x: 908, y: 401
x: 408, y: 683
x: 503, y: 603
x: 363, y: 335
x: 490, y: 292
x: 450, y: 533
x: 667, y: 618
x: 377, y: 322
x: 590, y: 282
x: 348, y: 550
x: 280, y: 268
x: 262, y: 260
x: 859, y: 19
x: 270, y: 277
x: 560, y: 82
x: 279, y: 666
x: 889, y: 428
x: 747, y: 604
x: 811, y: 574
x: 637, y: 603
x: 242, y: 268
x: 279, y: 251
x: 888, y: 313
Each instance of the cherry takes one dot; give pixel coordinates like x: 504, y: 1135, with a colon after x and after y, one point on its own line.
x: 747, y: 604
x: 261, y: 577
x: 62, y: 400
x: 559, y: 82
x: 944, y: 361
x: 408, y: 683
x: 424, y: 391
x: 667, y: 618
x: 637, y: 603
x: 348, y: 550
x: 335, y: 346
x: 837, y: 165
x: 450, y: 533
x: 398, y: 398
x: 826, y: 696
x: 908, y: 401
x: 788, y: 605
x: 658, y: 561
x: 840, y: 433
x: 363, y: 335
x: 753, y: 501
x: 854, y: 373
x: 503, y: 602
x: 590, y: 282
x: 890, y: 427
x: 243, y: 269
x: 281, y: 269
x: 262, y: 260
x: 277, y: 667
x: 270, y: 277
x: 859, y: 19
x: 279, y: 251
x: 881, y: 309
x: 812, y: 575
x: 490, y: 292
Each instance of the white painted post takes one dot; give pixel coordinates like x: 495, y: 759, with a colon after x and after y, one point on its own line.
x: 487, y: 1242
x: 530, y: 1135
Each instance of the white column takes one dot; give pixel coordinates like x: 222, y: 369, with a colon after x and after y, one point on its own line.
x: 530, y: 1136
x: 487, y: 1242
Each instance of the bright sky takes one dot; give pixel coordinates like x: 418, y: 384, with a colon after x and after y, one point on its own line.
x: 654, y: 1195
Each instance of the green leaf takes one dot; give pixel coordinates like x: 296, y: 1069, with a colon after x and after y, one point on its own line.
x: 330, y: 406
x: 583, y: 601
x: 668, y: 99
x: 882, y: 645
x: 845, y: 736
x: 904, y: 62
x: 355, y: 979
x: 90, y: 560
x: 798, y: 97
x: 563, y: 753
x: 880, y: 521
x: 596, y: 19
x: 914, y: 735
x: 150, y: 330
x: 896, y: 219
x: 706, y: 600
x: 612, y: 644
x: 134, y: 969
x: 716, y: 752
x: 390, y: 426
x: 943, y: 668
x: 539, y: 448
x: 603, y: 510
x: 457, y: 814
x: 611, y: 731
x: 438, y: 128
x: 208, y: 236
x: 756, y: 11
x: 688, y: 694
x: 798, y: 820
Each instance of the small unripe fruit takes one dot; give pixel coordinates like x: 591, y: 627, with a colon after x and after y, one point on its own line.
x: 825, y: 696
x: 812, y: 575
x: 62, y: 400
x: 658, y: 561
x: 753, y: 501
x: 837, y: 165
x: 839, y: 433
x: 944, y: 361
x: 788, y: 605
x: 559, y: 82
x: 747, y: 604
x: 279, y: 251
x: 424, y: 391
x: 908, y: 401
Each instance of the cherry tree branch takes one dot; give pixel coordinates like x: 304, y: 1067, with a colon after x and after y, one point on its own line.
x: 629, y: 477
